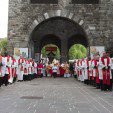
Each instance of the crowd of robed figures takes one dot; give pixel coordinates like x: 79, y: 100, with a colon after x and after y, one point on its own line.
x: 24, y: 69
x: 97, y: 71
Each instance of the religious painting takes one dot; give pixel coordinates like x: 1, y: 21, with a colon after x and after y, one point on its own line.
x: 96, y: 50
x: 21, y: 51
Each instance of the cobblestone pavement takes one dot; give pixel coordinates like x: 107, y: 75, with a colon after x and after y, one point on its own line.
x: 48, y: 95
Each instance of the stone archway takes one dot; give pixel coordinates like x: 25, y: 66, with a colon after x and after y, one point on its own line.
x: 60, y: 31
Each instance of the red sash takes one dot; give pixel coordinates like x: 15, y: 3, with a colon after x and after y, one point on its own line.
x: 8, y: 72
x: 40, y: 67
x: 77, y: 69
x: 87, y: 62
x: 8, y: 57
x: 92, y: 70
x: 80, y: 69
x: 97, y: 72
x: 25, y: 70
x: 20, y: 61
x: 8, y: 69
x: 106, y: 72
x: 13, y: 69
x: 62, y: 71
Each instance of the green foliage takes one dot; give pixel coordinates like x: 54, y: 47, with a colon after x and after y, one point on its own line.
x: 3, y: 45
x: 57, y: 55
x: 43, y: 52
x: 77, y: 51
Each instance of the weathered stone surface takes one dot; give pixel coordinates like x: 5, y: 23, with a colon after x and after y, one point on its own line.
x: 49, y: 95
x: 22, y: 15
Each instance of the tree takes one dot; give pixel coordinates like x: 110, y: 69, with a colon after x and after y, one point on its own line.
x: 3, y: 45
x: 77, y: 51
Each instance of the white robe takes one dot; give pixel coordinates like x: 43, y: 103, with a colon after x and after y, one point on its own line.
x: 35, y: 68
x: 79, y: 69
x: 20, y: 72
x: 86, y: 71
x: 11, y: 67
x: 4, y: 67
x: 26, y: 67
x: 30, y: 68
x: 82, y: 76
x: 101, y: 66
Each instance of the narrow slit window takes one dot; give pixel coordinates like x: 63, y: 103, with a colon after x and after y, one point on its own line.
x: 44, y: 1
x: 85, y: 1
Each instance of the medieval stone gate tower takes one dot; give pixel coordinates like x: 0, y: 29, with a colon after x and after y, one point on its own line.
x: 31, y: 22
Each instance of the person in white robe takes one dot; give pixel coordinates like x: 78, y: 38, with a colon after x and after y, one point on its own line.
x: 82, y: 78
x: 105, y: 75
x: 20, y: 68
x: 10, y: 66
x: 5, y: 69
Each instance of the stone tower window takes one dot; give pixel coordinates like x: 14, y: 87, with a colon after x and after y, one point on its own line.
x: 85, y: 1
x: 44, y: 1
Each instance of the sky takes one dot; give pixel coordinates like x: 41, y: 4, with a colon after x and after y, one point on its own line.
x: 3, y: 18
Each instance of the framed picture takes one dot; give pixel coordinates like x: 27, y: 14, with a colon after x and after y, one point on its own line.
x: 20, y: 51
x: 96, y: 50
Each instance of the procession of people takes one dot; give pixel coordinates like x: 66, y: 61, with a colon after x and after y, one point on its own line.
x: 26, y: 69
x: 96, y: 71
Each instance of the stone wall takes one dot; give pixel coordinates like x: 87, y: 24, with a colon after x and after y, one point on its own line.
x: 96, y: 20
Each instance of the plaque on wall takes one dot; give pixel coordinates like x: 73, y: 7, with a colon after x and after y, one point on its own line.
x: 85, y: 1
x: 44, y: 1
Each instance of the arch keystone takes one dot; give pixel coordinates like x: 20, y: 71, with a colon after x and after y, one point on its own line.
x: 35, y: 23
x: 81, y: 22
x: 58, y: 13
x: 46, y: 15
x: 70, y: 15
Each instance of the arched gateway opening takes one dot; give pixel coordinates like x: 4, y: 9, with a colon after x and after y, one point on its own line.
x: 59, y: 31
x: 51, y: 52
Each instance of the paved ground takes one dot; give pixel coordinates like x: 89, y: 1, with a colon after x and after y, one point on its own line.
x: 48, y: 95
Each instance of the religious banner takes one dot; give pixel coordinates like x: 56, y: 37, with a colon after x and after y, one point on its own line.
x: 51, y: 49
x: 21, y: 51
x: 96, y: 50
